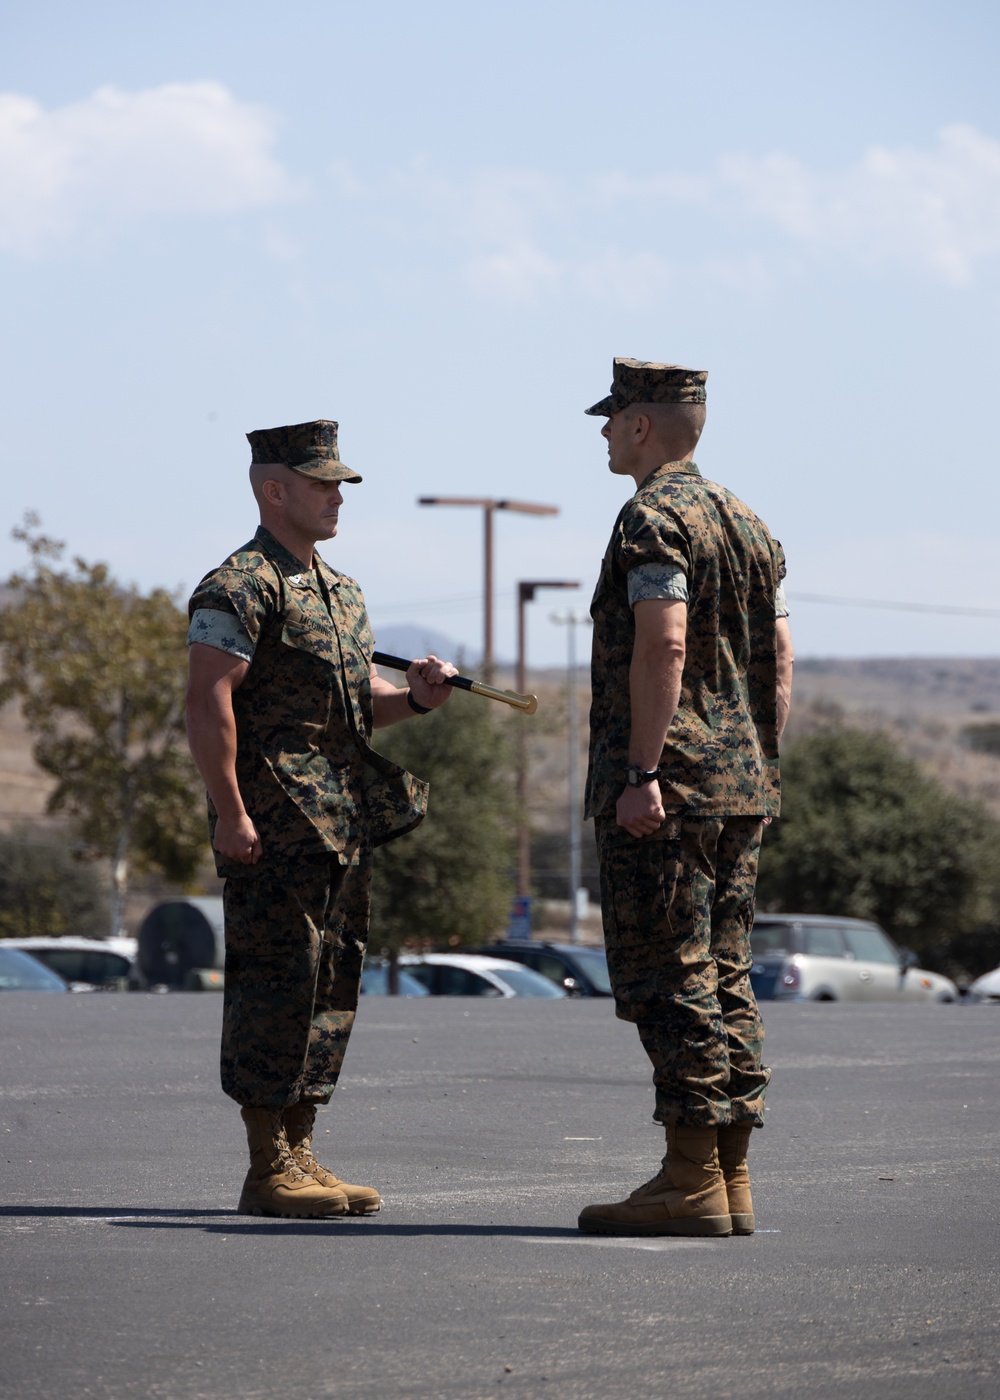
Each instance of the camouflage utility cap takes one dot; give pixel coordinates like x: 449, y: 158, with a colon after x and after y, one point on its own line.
x: 643, y: 381
x: 309, y: 448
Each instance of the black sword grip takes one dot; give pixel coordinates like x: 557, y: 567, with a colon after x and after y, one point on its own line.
x: 399, y: 663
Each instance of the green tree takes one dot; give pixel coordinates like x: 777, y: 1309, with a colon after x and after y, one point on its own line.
x: 864, y: 832
x: 45, y: 888
x: 100, y: 672
x: 453, y: 878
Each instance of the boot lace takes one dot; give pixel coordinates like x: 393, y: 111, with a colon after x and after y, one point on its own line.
x: 284, y: 1160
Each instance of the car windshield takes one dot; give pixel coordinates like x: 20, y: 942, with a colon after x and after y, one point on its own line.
x: 870, y: 944
x: 21, y: 973
x: 770, y: 938
x: 526, y: 983
x: 594, y: 962
x: 375, y: 982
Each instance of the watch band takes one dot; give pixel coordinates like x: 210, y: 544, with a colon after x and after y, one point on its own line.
x: 417, y: 709
x: 639, y: 777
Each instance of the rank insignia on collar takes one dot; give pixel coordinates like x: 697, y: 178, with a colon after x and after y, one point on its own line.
x: 297, y: 579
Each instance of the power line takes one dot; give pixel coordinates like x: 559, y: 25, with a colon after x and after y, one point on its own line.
x: 898, y: 607
x: 461, y: 601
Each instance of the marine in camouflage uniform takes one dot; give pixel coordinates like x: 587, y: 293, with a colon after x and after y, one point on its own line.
x: 290, y: 640
x: 678, y: 892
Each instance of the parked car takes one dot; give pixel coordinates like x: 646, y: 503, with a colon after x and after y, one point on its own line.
x: 812, y: 957
x: 472, y: 975
x: 987, y: 987
x: 20, y: 972
x: 375, y: 982
x: 86, y: 964
x: 581, y: 971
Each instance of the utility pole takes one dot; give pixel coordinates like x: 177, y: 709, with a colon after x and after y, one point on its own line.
x: 487, y: 505
x: 571, y: 620
x: 526, y: 590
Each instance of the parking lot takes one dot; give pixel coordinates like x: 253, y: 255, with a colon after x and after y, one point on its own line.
x: 487, y: 1124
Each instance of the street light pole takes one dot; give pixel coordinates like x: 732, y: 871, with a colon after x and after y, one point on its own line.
x: 571, y: 620
x: 488, y: 506
x: 526, y: 590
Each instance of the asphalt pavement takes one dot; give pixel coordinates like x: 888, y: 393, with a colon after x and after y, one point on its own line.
x: 487, y: 1125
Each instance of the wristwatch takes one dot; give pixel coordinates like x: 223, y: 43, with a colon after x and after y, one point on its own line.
x: 639, y: 777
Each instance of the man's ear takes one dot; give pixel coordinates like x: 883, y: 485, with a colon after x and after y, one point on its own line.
x: 273, y: 492
x: 640, y: 428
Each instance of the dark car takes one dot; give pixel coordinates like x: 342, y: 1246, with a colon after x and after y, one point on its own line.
x: 20, y: 972
x: 581, y: 971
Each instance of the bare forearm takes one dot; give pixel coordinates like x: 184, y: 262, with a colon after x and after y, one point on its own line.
x: 389, y: 704
x: 785, y: 664
x: 655, y: 676
x: 655, y: 691
x: 211, y: 728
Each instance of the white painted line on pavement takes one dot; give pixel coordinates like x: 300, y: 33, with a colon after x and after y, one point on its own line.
x: 662, y: 1244
x: 659, y: 1242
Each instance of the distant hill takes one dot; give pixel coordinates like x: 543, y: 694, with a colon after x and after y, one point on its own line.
x: 900, y: 685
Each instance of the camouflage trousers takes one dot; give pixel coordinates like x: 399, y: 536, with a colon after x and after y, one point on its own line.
x: 295, y: 945
x: 678, y: 907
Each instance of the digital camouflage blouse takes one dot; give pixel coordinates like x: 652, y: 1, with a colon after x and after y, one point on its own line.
x: 309, y: 778
x: 721, y: 754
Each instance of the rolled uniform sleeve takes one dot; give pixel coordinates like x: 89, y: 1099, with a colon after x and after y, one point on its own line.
x: 222, y: 630
x: 657, y: 581
x: 228, y: 611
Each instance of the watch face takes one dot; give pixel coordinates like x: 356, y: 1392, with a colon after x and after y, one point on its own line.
x: 638, y: 777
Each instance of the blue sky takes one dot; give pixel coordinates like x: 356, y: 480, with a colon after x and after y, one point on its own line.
x: 438, y: 223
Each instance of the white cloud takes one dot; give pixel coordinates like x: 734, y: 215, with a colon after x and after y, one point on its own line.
x: 183, y: 148
x: 937, y: 209
x: 523, y: 234
x: 517, y: 272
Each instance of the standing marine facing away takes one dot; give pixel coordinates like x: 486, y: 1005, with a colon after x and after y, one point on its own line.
x: 282, y: 699
x: 692, y: 665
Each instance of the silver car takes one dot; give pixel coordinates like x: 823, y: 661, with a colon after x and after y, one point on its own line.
x: 813, y: 957
x: 987, y: 987
x: 471, y: 975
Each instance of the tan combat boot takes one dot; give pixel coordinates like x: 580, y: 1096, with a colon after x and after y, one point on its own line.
x: 734, y: 1143
x: 298, y: 1120
x: 686, y: 1197
x: 275, y: 1184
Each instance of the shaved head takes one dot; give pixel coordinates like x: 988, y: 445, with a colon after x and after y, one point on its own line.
x: 267, y: 471
x: 674, y: 427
